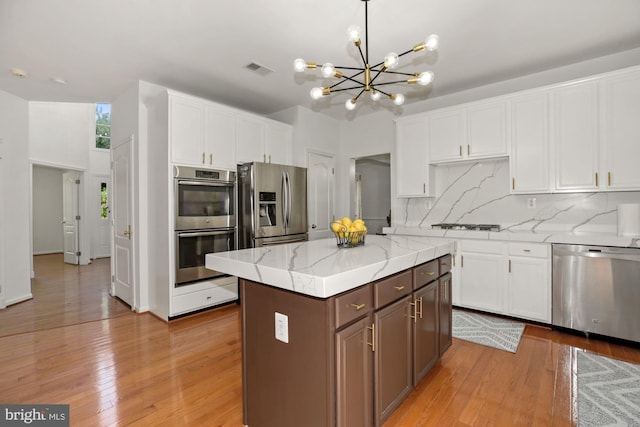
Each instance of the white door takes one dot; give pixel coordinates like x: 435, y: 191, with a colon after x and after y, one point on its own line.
x: 70, y: 217
x: 320, y: 177
x: 121, y: 215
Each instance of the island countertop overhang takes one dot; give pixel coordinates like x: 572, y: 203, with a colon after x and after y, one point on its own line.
x: 319, y: 268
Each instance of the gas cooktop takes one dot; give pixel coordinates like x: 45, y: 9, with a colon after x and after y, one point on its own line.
x: 456, y: 226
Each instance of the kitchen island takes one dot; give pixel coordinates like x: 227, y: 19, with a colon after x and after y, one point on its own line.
x: 338, y: 337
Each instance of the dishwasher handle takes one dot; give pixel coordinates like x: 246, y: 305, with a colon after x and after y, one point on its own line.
x: 628, y: 254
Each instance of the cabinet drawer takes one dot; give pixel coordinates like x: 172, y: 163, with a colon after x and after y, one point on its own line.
x: 445, y: 264
x: 196, y: 300
x: 425, y: 273
x: 352, y: 305
x: 388, y: 290
x: 482, y: 246
x: 537, y: 250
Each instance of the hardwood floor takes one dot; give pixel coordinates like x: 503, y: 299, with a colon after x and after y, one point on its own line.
x: 63, y: 294
x: 135, y: 369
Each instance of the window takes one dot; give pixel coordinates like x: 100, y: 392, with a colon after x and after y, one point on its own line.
x: 103, y: 126
x: 104, y: 207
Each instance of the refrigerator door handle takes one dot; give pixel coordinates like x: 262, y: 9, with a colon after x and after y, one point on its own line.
x: 288, y: 199
x: 284, y: 203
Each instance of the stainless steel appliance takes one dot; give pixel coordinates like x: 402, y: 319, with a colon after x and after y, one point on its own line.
x: 204, y: 198
x: 192, y: 246
x: 272, y: 203
x: 205, y: 220
x: 596, y: 289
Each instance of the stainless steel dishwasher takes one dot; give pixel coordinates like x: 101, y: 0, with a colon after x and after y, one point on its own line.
x: 596, y: 289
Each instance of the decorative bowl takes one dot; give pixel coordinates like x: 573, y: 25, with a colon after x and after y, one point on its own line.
x: 350, y: 239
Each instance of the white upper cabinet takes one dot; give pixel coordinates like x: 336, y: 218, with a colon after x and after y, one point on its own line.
x: 529, y: 163
x: 575, y: 136
x: 262, y: 140
x: 487, y: 129
x: 472, y: 131
x: 200, y: 133
x: 621, y: 131
x: 186, y: 130
x: 413, y: 178
x: 220, y: 137
x: 446, y: 135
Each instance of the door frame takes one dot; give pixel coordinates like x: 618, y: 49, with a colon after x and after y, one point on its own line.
x: 82, y: 211
x: 328, y: 233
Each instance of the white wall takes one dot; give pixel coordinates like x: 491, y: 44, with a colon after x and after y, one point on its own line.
x: 47, y: 210
x: 14, y: 200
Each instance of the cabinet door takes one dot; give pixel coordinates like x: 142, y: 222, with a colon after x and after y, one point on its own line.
x: 392, y: 358
x: 220, y: 138
x: 445, y: 316
x: 411, y: 158
x: 354, y: 385
x: 250, y: 134
x: 575, y: 136
x: 529, y: 162
x: 482, y: 280
x: 621, y: 131
x: 277, y: 144
x: 486, y: 130
x: 529, y: 288
x: 186, y: 130
x: 425, y: 330
x: 446, y: 136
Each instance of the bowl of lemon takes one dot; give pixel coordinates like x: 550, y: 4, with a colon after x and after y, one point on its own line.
x: 349, y: 233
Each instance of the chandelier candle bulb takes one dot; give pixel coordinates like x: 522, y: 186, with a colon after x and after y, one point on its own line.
x: 367, y: 77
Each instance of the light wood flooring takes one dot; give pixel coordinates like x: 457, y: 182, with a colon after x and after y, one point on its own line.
x: 135, y: 369
x: 63, y: 294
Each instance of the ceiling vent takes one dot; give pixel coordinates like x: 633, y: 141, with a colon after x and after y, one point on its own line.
x: 259, y: 68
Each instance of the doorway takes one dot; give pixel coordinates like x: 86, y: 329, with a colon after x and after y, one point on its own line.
x: 372, y: 191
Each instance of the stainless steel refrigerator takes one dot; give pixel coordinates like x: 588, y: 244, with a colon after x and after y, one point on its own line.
x: 272, y: 203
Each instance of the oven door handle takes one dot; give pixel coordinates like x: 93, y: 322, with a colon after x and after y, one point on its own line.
x: 205, y: 233
x: 207, y: 183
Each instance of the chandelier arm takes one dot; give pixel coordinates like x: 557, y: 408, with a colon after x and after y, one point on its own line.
x: 364, y: 61
x: 391, y: 83
x: 347, y: 88
x: 350, y: 68
x: 358, y: 96
x: 382, y: 92
x: 366, y: 33
x: 399, y: 73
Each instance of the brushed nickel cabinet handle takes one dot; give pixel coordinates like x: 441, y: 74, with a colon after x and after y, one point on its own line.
x: 460, y: 150
x: 424, y: 188
x: 358, y: 307
x: 509, y: 266
x: 211, y: 158
x: 596, y: 179
x: 468, y: 149
x: 461, y: 261
x: 609, y: 179
x: 203, y: 157
x: 513, y: 183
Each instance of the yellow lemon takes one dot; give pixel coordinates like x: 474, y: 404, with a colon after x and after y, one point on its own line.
x: 358, y: 221
x: 346, y: 221
x: 336, y: 226
x: 359, y: 226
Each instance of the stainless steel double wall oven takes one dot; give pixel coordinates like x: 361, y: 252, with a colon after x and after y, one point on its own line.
x: 205, y: 219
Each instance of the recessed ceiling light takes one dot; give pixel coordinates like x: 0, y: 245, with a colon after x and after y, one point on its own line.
x: 59, y: 80
x: 19, y: 72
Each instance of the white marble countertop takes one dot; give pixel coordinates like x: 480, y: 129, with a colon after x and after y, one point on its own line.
x: 510, y: 235
x: 319, y: 268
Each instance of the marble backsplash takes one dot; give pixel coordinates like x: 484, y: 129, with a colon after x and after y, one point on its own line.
x: 478, y: 193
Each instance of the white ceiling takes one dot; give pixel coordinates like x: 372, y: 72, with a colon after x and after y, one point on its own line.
x: 202, y: 47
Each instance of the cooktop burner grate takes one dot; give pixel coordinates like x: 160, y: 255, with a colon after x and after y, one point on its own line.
x: 456, y: 226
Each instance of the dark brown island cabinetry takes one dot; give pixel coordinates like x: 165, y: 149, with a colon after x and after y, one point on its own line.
x: 345, y: 361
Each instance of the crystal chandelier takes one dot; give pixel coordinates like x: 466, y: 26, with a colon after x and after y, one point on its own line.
x: 365, y: 78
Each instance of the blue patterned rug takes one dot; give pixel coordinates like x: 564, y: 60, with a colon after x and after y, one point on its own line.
x: 490, y: 331
x: 608, y: 392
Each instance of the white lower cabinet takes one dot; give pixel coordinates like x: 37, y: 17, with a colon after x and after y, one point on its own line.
x: 204, y: 294
x: 529, y: 283
x: 482, y: 278
x: 511, y: 278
